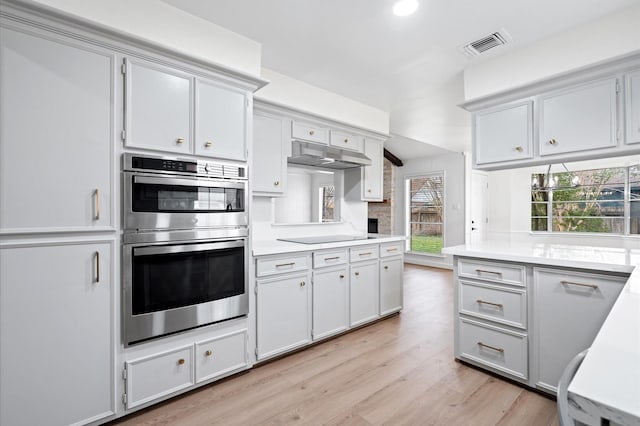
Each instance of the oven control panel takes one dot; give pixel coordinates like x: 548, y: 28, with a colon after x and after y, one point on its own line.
x: 135, y: 162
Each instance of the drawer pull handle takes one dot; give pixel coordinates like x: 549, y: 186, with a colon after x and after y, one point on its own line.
x: 488, y: 272
x: 181, y: 361
x: 180, y: 140
x: 285, y: 264
x: 357, y: 274
x: 341, y: 276
x: 552, y: 142
x: 593, y: 286
x: 519, y: 148
x: 346, y: 141
x: 499, y: 305
x: 208, y: 144
x: 311, y: 132
x: 302, y: 283
x: 96, y: 206
x: 328, y: 259
x: 365, y: 254
x: 386, y: 267
x: 209, y: 352
x: 276, y: 183
x: 490, y: 347
x: 96, y: 257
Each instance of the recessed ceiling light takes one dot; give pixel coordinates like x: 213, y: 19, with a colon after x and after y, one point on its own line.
x: 405, y: 7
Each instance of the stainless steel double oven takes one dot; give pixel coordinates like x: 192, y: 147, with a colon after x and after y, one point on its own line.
x: 185, y: 256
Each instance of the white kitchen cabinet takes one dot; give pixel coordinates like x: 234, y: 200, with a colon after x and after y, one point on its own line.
x: 504, y: 133
x: 364, y: 292
x: 56, y: 134
x: 391, y: 283
x: 345, y: 140
x: 220, y: 355
x: 632, y: 83
x: 221, y: 121
x: 372, y: 176
x: 271, y: 144
x: 330, y: 301
x: 283, y: 313
x: 57, y: 330
x: 569, y: 309
x: 579, y: 118
x: 309, y: 132
x: 158, y: 107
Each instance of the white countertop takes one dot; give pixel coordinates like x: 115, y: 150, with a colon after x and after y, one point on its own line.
x: 267, y: 247
x: 609, y: 377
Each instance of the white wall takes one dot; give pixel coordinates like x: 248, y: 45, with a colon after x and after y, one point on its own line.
x: 297, y: 94
x: 614, y: 35
x: 454, y: 174
x: 161, y: 23
x: 509, y: 200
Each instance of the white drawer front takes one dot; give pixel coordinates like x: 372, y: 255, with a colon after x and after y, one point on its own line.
x: 330, y: 258
x: 391, y: 249
x: 501, y: 349
x: 158, y: 375
x: 221, y: 355
x: 271, y: 266
x: 309, y: 133
x: 357, y: 254
x: 347, y: 141
x: 493, y: 271
x: 500, y: 304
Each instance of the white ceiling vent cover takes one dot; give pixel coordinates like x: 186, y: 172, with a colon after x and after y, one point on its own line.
x: 485, y: 43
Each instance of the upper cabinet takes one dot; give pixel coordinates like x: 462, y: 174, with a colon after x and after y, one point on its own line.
x: 221, y: 117
x: 271, y: 138
x: 587, y: 114
x: 56, y: 134
x: 346, y: 141
x: 170, y: 110
x: 633, y: 107
x: 309, y: 132
x: 579, y: 118
x: 504, y: 134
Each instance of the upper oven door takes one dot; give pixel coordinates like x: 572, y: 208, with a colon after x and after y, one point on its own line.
x: 162, y: 202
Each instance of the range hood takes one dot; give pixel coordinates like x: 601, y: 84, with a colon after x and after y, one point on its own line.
x: 325, y: 156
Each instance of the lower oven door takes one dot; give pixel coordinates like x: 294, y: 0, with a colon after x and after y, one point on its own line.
x: 172, y: 287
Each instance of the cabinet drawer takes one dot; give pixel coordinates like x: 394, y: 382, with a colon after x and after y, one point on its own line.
x: 221, y: 355
x: 272, y: 266
x: 347, y: 141
x: 330, y: 258
x: 307, y: 132
x: 500, y: 349
x: 500, y: 304
x: 497, y: 272
x: 158, y: 375
x: 363, y: 253
x: 392, y: 249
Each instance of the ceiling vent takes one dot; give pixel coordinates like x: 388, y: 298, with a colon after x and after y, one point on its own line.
x: 485, y: 43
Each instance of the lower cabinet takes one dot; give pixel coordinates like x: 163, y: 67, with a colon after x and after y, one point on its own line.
x: 391, y: 283
x: 570, y: 307
x: 330, y: 301
x: 217, y: 356
x: 56, y: 327
x: 364, y: 292
x: 283, y: 313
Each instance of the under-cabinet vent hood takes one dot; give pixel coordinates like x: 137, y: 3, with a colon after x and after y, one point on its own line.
x: 325, y: 156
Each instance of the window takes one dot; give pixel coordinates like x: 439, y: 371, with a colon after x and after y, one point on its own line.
x: 425, y: 213
x: 327, y: 198
x: 599, y: 200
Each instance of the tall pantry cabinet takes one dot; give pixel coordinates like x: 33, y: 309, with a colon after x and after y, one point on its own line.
x: 57, y: 230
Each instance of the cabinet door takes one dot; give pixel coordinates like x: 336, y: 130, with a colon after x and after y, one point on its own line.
x: 364, y: 287
x: 504, y: 134
x: 579, y: 119
x: 569, y: 310
x: 56, y: 326
x: 391, y: 285
x: 372, y: 176
x: 269, y: 154
x: 221, y: 122
x: 330, y: 301
x: 633, y: 107
x: 158, y: 109
x: 56, y: 132
x: 284, y: 314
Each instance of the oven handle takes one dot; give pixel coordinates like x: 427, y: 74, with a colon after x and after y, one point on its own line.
x: 186, y: 248
x: 188, y: 182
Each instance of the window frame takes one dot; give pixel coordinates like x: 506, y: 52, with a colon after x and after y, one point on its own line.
x: 407, y: 211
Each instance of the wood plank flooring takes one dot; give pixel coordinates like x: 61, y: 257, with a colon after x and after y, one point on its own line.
x: 399, y: 371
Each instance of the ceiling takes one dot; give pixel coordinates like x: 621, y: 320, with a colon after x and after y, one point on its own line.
x: 409, y: 66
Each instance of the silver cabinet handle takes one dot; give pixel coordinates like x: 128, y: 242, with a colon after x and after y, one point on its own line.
x: 285, y: 264
x: 490, y: 347
x: 180, y: 140
x: 365, y: 254
x: 276, y: 183
x: 488, y: 272
x: 519, y: 148
x: 499, y: 305
x: 593, y: 286
x: 96, y: 200
x: 208, y: 144
x: 391, y: 249
x: 311, y: 132
x: 328, y: 259
x: 552, y: 142
x: 96, y: 258
x: 302, y: 283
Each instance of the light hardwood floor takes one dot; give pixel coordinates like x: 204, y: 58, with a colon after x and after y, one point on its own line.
x: 399, y: 371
